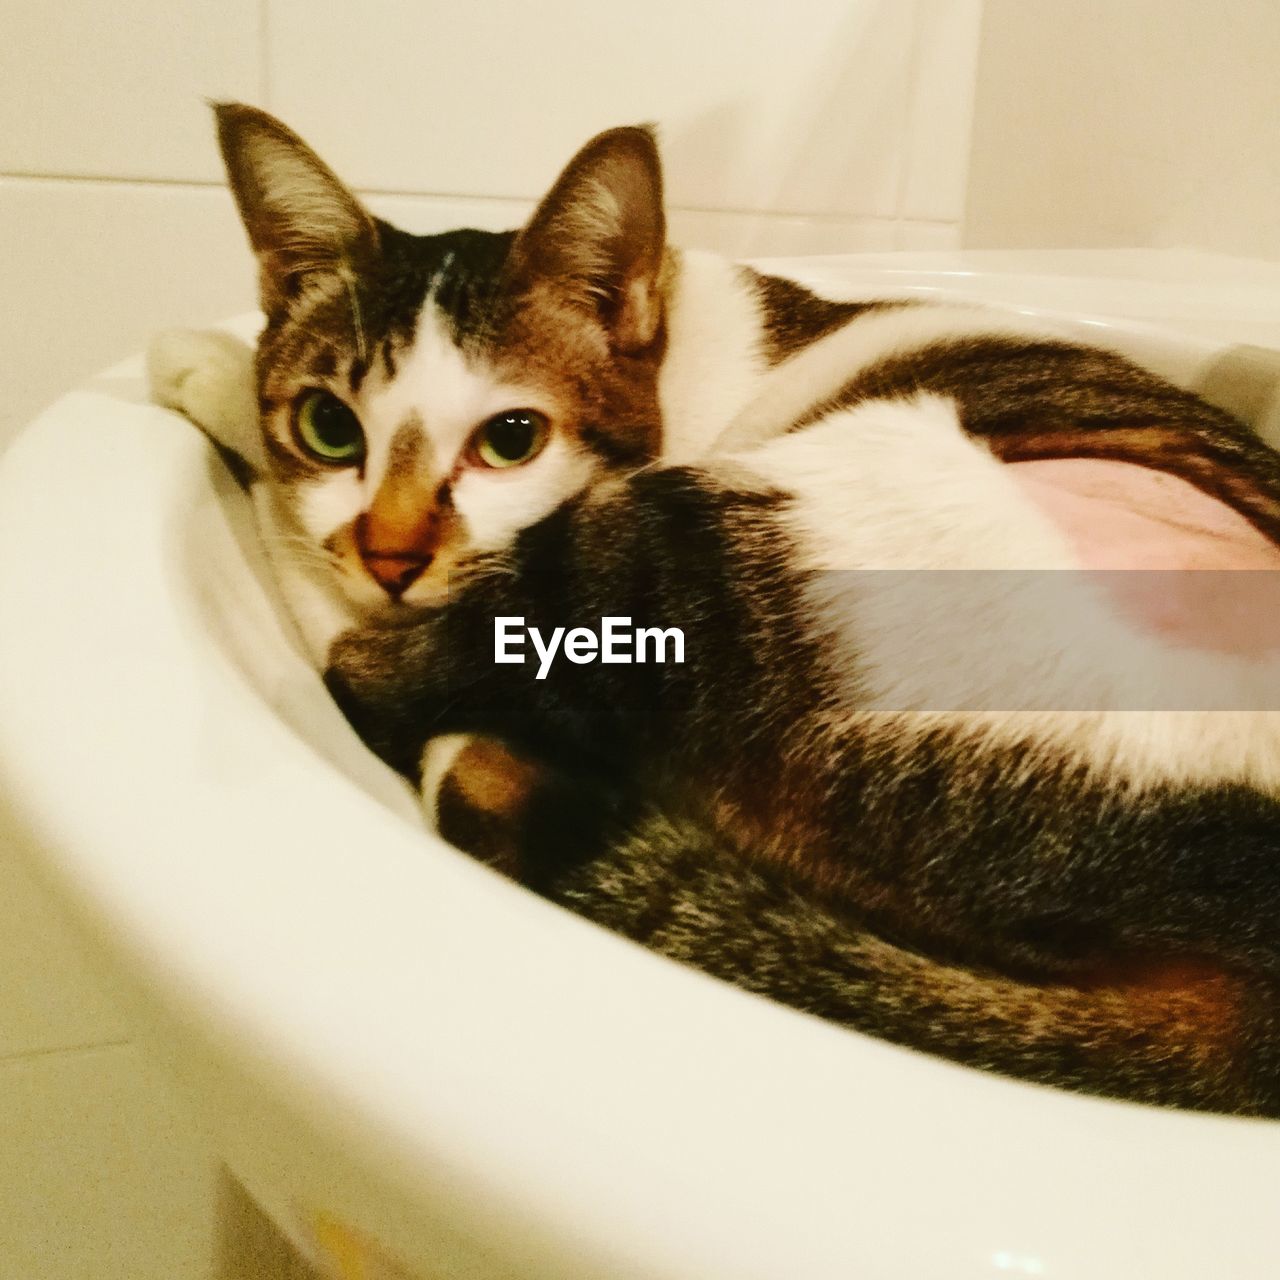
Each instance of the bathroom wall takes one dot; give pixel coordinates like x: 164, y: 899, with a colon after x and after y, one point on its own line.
x: 789, y: 126
x: 1119, y: 123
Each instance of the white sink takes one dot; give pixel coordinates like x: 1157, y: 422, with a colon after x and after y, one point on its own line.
x: 413, y: 1062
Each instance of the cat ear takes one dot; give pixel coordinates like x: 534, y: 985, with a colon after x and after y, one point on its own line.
x: 300, y: 218
x: 600, y: 233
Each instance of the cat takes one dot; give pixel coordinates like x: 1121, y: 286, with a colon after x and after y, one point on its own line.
x: 575, y: 421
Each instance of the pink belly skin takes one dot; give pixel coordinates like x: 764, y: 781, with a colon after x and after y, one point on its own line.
x: 1120, y: 516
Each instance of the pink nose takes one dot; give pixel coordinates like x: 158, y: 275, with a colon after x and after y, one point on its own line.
x: 394, y: 571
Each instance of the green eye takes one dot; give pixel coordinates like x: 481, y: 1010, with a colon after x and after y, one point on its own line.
x: 508, y: 439
x: 328, y: 429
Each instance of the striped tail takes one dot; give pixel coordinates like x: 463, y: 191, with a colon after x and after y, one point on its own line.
x: 1180, y: 1036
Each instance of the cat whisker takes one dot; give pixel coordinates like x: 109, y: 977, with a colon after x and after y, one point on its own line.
x: 296, y: 542
x: 490, y: 563
x: 303, y: 551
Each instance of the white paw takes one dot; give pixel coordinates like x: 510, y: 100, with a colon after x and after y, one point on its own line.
x: 208, y: 376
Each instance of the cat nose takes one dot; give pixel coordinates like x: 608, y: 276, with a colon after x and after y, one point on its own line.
x: 394, y: 571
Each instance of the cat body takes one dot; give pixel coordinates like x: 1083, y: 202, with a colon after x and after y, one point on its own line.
x: 914, y: 802
x: 1024, y: 857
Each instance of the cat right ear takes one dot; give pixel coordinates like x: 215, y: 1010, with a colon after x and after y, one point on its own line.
x: 302, y: 221
x: 600, y: 234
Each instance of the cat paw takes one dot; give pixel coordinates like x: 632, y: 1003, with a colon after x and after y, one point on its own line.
x: 477, y: 794
x: 208, y: 376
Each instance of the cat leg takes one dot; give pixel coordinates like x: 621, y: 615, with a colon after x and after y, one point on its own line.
x: 520, y: 816
x: 209, y: 376
x: 474, y: 793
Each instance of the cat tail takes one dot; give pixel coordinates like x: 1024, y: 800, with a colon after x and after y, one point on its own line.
x: 1206, y: 1044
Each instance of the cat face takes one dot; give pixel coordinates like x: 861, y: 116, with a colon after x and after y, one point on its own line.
x: 426, y: 398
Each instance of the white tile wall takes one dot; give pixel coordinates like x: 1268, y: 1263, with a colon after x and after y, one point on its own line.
x: 940, y: 114
x: 1124, y: 123
x: 117, y: 89
x: 99, y: 266
x: 789, y: 126
x: 793, y: 108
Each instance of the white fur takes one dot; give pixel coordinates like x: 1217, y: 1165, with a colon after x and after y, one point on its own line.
x: 898, y: 486
x: 498, y: 504
x: 819, y: 370
x: 330, y: 499
x: 436, y: 384
x: 320, y: 612
x: 452, y: 396
x: 437, y: 759
x: 713, y: 366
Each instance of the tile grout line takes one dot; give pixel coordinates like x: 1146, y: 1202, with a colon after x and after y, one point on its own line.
x: 200, y: 184
x: 25, y: 1055
x: 109, y: 179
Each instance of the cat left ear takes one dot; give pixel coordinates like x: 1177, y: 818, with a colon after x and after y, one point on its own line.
x: 600, y: 233
x: 300, y: 218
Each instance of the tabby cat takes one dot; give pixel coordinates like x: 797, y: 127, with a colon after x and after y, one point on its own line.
x: 905, y: 778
